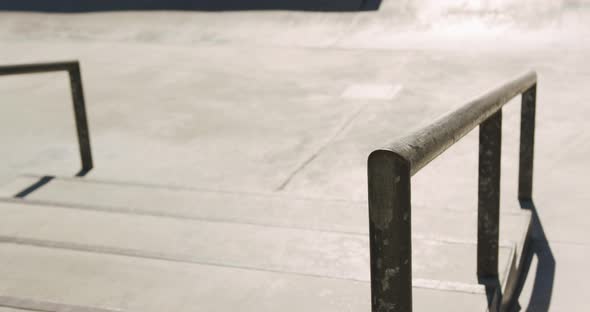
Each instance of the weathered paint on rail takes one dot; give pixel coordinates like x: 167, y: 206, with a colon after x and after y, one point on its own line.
x: 424, y: 145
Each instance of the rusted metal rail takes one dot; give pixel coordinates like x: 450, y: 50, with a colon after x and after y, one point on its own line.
x: 389, y: 179
x: 73, y: 69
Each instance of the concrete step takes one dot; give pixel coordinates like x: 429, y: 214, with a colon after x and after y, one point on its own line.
x: 120, y: 283
x: 262, y: 234
x: 259, y: 209
x: 304, y: 252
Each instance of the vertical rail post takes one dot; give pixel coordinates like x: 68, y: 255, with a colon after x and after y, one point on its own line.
x: 488, y: 218
x: 390, y: 232
x: 527, y: 143
x: 80, y: 116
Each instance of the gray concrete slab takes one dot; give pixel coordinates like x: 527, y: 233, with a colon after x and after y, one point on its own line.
x: 131, y: 284
x: 236, y: 136
x: 244, y: 151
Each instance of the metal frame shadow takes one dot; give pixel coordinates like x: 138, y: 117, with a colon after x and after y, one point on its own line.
x: 542, y: 287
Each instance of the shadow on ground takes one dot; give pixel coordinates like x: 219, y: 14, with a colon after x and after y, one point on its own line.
x: 44, y: 180
x: 544, y: 276
x: 204, y: 5
x: 34, y: 187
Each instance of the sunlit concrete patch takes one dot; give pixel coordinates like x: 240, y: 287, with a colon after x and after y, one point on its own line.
x: 372, y: 91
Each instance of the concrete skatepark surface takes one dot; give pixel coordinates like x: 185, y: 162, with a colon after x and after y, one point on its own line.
x: 290, y: 104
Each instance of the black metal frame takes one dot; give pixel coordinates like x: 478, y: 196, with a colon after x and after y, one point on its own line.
x: 389, y: 180
x: 73, y: 69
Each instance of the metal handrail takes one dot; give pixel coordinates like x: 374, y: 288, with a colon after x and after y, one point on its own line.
x: 389, y: 180
x: 73, y: 69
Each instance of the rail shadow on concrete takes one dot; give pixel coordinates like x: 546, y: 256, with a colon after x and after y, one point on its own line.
x: 44, y: 180
x: 197, y: 5
x: 544, y: 278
